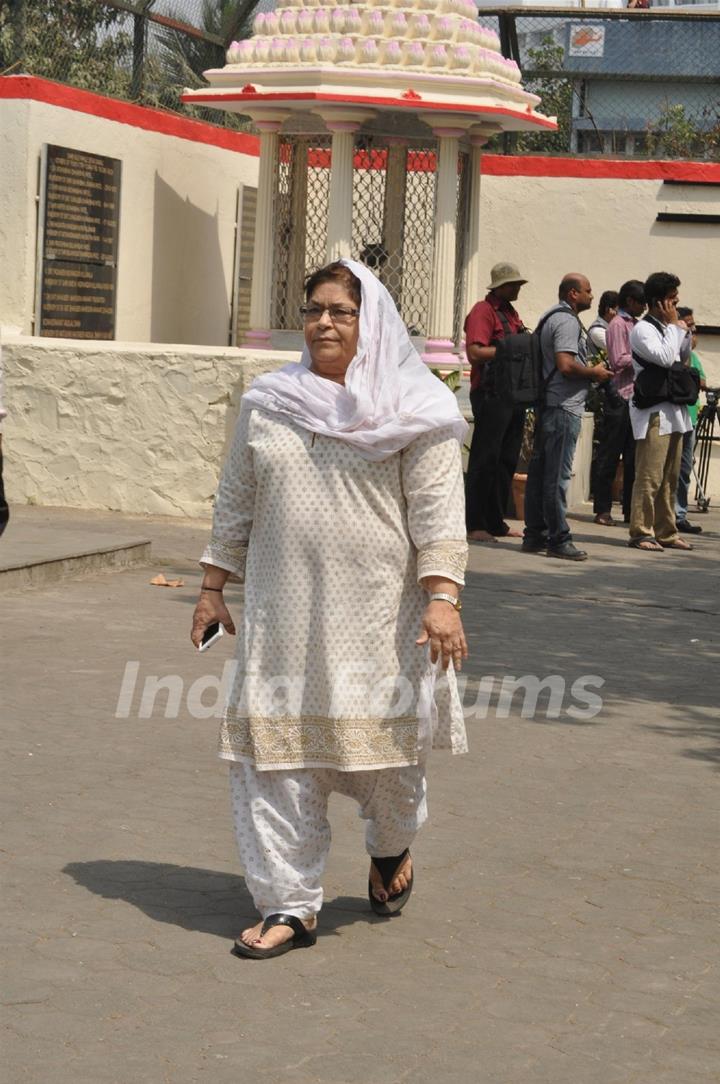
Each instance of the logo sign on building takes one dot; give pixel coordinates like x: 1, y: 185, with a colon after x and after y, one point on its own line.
x: 587, y: 40
x: 79, y: 218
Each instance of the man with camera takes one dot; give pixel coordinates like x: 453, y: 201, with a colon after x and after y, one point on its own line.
x: 661, y: 346
x: 566, y: 381
x: 616, y: 437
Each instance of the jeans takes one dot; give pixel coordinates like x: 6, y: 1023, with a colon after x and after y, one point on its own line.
x: 686, y: 466
x: 493, y: 458
x: 616, y: 439
x: 556, y: 435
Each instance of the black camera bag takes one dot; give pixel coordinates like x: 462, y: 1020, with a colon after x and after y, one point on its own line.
x: 655, y: 384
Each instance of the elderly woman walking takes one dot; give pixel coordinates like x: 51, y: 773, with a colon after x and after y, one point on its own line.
x: 341, y: 507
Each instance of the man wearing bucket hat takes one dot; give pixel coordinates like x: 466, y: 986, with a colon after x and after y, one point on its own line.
x: 498, y: 425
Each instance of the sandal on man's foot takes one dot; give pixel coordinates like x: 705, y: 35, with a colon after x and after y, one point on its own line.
x: 676, y: 544
x: 388, y: 869
x: 645, y: 543
x: 301, y: 938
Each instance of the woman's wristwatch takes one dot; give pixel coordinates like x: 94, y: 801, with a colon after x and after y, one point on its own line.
x: 439, y: 596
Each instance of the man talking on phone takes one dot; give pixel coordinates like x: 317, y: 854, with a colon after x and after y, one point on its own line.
x: 661, y: 338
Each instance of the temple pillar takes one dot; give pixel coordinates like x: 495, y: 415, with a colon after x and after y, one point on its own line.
x: 439, y: 346
x: 343, y: 124
x: 340, y: 200
x: 258, y: 334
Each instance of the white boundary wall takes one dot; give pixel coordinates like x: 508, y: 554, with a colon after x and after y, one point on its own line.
x: 606, y: 229
x: 122, y: 426
x: 141, y: 426
x: 177, y: 213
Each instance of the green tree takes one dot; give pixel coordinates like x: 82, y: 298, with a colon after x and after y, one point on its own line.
x: 542, y: 75
x: 674, y: 134
x: 89, y: 44
x: 81, y: 42
x: 177, y: 60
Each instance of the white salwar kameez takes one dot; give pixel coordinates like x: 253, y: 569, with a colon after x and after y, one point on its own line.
x: 330, y: 683
x: 283, y: 834
x: 331, y: 547
x: 335, y: 501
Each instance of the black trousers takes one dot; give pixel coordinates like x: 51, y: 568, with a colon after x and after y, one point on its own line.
x: 493, y: 458
x: 616, y: 439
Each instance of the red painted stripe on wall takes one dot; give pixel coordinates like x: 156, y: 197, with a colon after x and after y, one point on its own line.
x: 500, y: 165
x: 139, y: 116
x: 494, y: 165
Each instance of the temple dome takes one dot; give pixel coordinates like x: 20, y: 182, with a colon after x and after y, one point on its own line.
x: 390, y: 54
x: 429, y: 35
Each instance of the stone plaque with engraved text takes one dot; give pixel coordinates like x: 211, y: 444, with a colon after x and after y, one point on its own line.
x: 80, y: 218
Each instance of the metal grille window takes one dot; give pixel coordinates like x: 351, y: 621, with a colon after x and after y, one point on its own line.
x: 301, y: 207
x: 392, y: 224
x: 418, y: 236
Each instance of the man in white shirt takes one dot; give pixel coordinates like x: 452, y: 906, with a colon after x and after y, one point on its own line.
x: 659, y: 339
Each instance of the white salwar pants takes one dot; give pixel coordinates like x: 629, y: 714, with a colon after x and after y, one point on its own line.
x: 283, y: 834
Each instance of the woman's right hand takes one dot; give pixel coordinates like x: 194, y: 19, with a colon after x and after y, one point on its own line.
x: 210, y: 608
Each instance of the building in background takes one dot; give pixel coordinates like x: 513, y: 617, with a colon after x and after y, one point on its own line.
x: 634, y: 83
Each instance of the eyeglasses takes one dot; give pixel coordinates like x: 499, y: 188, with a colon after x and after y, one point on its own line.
x: 339, y: 314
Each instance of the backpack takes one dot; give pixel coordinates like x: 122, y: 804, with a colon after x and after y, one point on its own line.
x: 515, y: 374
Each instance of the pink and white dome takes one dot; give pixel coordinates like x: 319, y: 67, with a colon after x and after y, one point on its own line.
x: 437, y: 36
x: 384, y: 55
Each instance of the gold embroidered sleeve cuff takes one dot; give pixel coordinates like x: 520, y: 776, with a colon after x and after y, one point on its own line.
x: 231, y: 558
x: 448, y: 559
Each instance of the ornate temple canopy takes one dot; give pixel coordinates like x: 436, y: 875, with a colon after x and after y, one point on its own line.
x: 371, y: 118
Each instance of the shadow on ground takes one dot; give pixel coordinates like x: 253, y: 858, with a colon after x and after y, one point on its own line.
x: 192, y: 898
x: 648, y: 630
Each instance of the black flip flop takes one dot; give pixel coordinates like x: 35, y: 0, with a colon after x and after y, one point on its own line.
x: 302, y: 938
x: 387, y: 868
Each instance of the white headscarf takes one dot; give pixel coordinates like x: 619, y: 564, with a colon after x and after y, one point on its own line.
x: 389, y: 397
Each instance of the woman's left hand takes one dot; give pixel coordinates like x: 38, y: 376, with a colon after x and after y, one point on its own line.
x: 441, y: 625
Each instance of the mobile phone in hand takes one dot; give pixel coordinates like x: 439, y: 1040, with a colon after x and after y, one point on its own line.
x: 211, y: 635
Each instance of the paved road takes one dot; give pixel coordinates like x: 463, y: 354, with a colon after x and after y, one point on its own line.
x: 564, y: 925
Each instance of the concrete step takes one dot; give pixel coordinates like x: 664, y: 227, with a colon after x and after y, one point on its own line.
x: 39, y: 549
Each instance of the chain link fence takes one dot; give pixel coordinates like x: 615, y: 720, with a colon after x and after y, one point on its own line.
x: 627, y: 82
x: 144, y: 51
x: 621, y: 82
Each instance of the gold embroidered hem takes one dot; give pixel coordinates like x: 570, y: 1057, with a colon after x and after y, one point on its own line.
x: 232, y: 558
x: 443, y: 558
x: 279, y: 742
